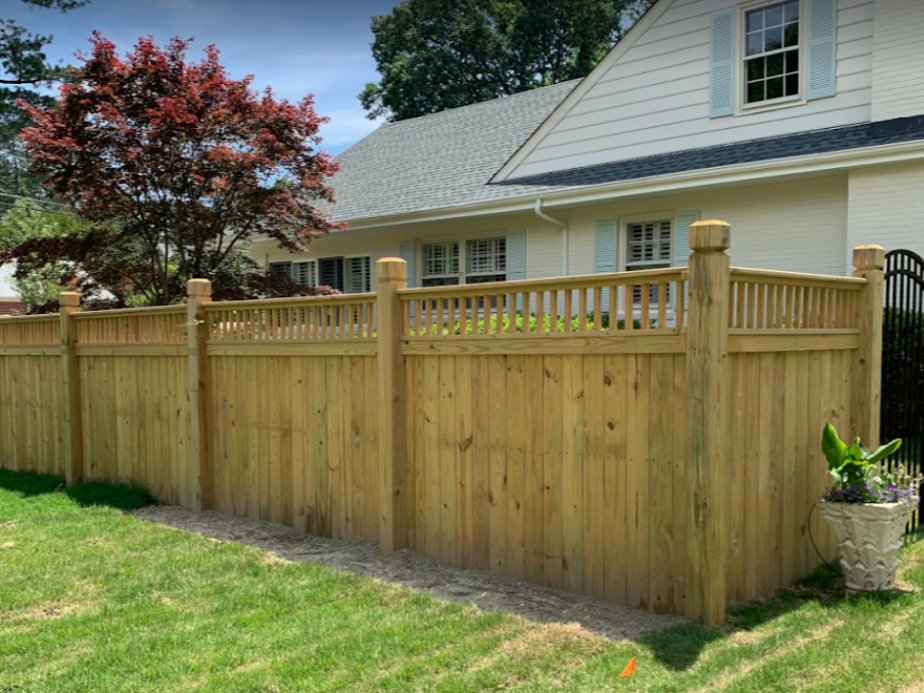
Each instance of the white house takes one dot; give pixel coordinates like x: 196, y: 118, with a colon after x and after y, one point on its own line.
x: 800, y: 122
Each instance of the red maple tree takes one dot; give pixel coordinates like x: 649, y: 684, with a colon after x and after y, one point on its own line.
x: 177, y: 164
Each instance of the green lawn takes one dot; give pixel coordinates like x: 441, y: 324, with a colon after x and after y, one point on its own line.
x: 95, y: 600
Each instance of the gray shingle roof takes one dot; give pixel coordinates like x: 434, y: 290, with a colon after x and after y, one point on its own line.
x: 440, y: 160
x: 751, y: 151
x: 446, y: 160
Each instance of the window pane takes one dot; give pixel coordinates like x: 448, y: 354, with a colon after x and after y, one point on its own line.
x: 485, y: 256
x: 773, y: 16
x: 755, y: 69
x: 774, y: 65
x: 482, y: 278
x: 773, y: 38
x: 755, y: 92
x: 440, y: 258
x: 791, y: 11
x: 648, y: 244
x: 754, y: 20
x: 357, y: 275
x: 755, y: 43
x: 792, y: 61
x: 792, y: 35
x: 440, y: 281
x: 792, y: 84
x: 304, y: 273
x: 330, y: 272
x: 774, y: 88
x: 281, y: 270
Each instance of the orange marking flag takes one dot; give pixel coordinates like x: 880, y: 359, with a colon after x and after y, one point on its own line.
x: 630, y: 668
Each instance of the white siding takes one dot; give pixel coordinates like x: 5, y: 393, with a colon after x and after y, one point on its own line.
x: 796, y: 226
x: 655, y: 98
x: 898, y: 59
x: 887, y: 207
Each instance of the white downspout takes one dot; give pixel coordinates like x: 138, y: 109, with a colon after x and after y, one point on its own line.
x: 565, y: 236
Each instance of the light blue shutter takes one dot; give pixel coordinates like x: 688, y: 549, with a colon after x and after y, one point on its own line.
x: 605, y: 254
x: 722, y: 65
x: 821, y: 77
x: 406, y: 253
x: 682, y: 221
x: 516, y: 254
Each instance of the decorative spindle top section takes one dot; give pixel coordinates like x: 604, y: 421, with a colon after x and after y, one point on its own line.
x: 868, y: 257
x: 710, y: 235
x: 200, y: 288
x: 69, y: 299
x: 391, y: 269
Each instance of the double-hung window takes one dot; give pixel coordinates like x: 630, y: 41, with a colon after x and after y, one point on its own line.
x: 771, y: 52
x: 471, y: 262
x: 648, y: 246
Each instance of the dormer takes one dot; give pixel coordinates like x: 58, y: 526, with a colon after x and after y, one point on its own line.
x: 701, y: 73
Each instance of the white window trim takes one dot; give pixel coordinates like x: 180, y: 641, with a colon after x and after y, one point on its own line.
x: 741, y: 105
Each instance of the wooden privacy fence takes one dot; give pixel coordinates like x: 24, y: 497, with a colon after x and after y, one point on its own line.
x: 650, y: 437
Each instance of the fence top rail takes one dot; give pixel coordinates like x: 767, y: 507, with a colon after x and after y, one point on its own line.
x: 291, y: 301
x: 798, y: 278
x: 28, y: 319
x: 583, y: 281
x: 131, y: 312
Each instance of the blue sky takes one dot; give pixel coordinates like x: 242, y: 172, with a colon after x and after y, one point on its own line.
x: 294, y: 46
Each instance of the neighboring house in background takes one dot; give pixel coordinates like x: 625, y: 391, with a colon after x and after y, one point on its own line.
x: 9, y: 303
x: 11, y: 306
x: 800, y: 122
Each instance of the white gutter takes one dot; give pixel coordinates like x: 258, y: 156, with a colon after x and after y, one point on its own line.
x: 565, y: 235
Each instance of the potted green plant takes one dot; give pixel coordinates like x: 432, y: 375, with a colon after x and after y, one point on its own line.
x: 867, y: 507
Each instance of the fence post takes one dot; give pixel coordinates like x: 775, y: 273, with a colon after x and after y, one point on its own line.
x: 391, y: 275
x: 868, y: 261
x: 70, y: 378
x: 198, y: 293
x: 707, y: 474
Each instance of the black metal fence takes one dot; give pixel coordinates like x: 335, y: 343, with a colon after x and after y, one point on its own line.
x: 903, y: 362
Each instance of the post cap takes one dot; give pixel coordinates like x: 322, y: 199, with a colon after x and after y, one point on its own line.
x: 391, y: 269
x: 69, y: 299
x: 868, y: 257
x: 710, y: 235
x: 199, y: 287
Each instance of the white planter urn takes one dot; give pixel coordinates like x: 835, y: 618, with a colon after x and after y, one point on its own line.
x: 869, y: 536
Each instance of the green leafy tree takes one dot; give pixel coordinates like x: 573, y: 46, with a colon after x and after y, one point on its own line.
x: 28, y: 219
x: 439, y: 54
x: 24, y: 70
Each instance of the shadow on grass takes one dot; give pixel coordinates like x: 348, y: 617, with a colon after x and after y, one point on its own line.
x: 119, y: 496
x: 679, y: 647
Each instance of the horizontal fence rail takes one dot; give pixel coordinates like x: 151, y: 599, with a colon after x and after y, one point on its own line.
x: 764, y: 299
x: 293, y: 319
x: 650, y: 301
